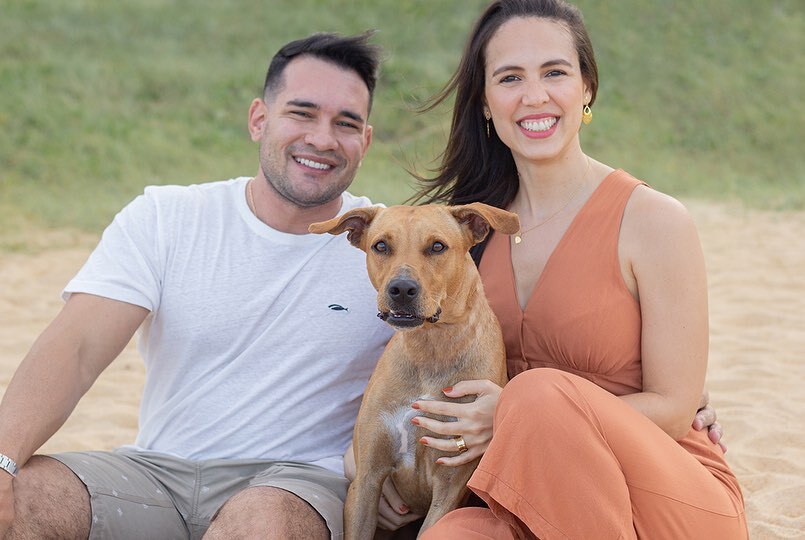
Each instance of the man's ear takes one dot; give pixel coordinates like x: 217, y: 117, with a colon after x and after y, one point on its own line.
x: 479, y: 217
x: 355, y: 222
x: 367, y: 140
x: 258, y: 115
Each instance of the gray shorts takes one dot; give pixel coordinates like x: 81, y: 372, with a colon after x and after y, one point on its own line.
x: 147, y: 495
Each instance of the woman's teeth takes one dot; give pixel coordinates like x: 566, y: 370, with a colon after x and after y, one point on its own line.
x: 538, y: 125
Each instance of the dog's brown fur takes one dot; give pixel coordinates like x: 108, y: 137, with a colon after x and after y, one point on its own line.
x: 429, y: 289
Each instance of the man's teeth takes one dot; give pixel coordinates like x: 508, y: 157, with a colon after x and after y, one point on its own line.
x: 313, y: 164
x: 539, y: 125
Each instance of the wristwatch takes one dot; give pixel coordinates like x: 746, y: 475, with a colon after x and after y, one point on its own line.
x: 8, y: 465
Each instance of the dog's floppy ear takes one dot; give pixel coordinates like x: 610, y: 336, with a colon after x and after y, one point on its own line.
x: 478, y: 217
x: 354, y: 221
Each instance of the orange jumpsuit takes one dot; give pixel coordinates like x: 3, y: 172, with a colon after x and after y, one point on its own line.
x: 568, y: 458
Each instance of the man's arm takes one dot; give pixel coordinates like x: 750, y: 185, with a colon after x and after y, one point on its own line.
x: 83, y: 339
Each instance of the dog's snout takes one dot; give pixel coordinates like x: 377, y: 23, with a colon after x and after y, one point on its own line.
x: 403, y: 290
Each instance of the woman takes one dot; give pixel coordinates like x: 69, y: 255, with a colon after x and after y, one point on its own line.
x: 603, y: 303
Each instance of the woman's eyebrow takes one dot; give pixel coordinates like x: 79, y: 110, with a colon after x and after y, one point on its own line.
x: 558, y: 61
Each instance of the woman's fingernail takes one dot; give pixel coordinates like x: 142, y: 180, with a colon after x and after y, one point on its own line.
x: 404, y: 509
x: 415, y: 405
x: 424, y: 441
x: 415, y: 420
x: 447, y: 390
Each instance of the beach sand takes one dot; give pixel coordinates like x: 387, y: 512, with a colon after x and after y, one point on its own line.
x: 756, y: 272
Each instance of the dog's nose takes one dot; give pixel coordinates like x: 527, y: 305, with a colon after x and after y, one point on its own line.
x: 403, y: 290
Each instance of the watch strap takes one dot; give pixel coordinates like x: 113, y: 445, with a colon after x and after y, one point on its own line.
x: 8, y: 465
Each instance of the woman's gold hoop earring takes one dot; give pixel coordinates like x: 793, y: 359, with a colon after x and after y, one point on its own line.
x: 586, y: 114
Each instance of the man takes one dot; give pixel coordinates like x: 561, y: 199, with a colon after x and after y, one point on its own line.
x: 255, y: 362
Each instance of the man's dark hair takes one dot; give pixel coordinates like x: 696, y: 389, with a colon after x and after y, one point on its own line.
x: 354, y: 53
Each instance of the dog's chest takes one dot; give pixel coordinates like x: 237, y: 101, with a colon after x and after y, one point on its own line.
x: 402, y: 434
x: 400, y: 430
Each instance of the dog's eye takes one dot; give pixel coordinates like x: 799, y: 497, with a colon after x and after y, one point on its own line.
x: 380, y: 247
x: 438, y: 247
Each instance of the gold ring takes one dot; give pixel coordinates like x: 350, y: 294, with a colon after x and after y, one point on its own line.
x: 462, y: 446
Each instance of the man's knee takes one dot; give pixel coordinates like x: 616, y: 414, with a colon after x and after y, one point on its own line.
x: 49, y: 502
x: 267, y: 512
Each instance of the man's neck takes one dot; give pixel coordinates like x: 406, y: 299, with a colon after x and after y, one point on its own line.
x: 283, y: 215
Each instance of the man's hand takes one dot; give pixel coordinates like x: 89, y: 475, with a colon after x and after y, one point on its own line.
x: 706, y: 418
x: 6, y: 502
x: 392, y: 512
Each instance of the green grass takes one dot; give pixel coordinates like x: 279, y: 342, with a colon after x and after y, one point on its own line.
x: 98, y: 98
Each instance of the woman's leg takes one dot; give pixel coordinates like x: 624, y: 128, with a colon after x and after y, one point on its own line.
x: 571, y: 460
x: 472, y: 524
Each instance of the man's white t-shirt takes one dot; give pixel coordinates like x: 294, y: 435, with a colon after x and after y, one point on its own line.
x: 259, y: 343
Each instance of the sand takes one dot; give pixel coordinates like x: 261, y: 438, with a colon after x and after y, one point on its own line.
x: 756, y: 270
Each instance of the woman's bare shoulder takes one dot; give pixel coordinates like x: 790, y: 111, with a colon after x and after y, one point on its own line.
x: 649, y: 208
x: 656, y: 225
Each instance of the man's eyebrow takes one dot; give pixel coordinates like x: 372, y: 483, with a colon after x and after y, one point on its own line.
x: 558, y: 61
x: 353, y: 116
x: 303, y: 104
x: 310, y: 105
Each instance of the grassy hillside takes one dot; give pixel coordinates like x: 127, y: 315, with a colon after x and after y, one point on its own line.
x: 98, y: 99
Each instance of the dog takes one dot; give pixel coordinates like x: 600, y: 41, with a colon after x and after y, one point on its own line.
x: 430, y: 291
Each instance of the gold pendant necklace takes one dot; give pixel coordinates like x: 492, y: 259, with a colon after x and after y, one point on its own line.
x: 518, y: 236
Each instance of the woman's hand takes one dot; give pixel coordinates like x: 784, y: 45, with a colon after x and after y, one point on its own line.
x: 392, y: 512
x: 473, y: 420
x: 706, y: 418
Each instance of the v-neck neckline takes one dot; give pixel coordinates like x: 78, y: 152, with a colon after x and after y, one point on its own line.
x: 559, y: 245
